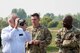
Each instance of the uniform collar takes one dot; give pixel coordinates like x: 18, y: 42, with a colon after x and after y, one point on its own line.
x: 70, y: 29
x: 37, y: 26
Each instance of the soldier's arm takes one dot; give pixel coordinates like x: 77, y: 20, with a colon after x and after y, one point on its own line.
x: 77, y: 32
x: 78, y: 38
x: 58, y: 39
x: 47, y: 39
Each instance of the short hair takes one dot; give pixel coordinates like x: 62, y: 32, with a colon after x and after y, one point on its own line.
x: 22, y: 22
x: 10, y: 17
x: 12, y: 14
x: 36, y: 14
x: 69, y: 17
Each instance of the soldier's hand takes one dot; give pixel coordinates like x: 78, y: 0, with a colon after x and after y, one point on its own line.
x: 36, y: 42
x: 58, y: 42
x: 31, y: 42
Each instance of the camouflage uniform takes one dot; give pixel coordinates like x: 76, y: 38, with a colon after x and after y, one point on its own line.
x: 40, y: 33
x: 73, y: 35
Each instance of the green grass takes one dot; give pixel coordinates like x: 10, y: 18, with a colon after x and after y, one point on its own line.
x: 52, y: 47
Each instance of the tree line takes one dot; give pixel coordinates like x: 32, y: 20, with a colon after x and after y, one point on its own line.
x: 49, y: 19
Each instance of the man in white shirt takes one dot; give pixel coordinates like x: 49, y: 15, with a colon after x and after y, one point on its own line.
x: 23, y: 25
x: 13, y: 37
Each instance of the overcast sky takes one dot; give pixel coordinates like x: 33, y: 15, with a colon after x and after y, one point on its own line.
x: 41, y: 6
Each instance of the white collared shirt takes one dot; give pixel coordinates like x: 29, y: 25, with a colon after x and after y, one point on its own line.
x: 13, y: 40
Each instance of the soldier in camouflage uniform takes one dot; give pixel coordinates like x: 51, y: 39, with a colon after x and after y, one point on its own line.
x: 41, y: 36
x: 68, y: 37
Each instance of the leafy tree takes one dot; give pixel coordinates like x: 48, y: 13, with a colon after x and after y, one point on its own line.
x: 14, y: 10
x: 76, y: 23
x: 58, y: 18
x: 45, y: 21
x: 51, y: 15
x: 28, y: 20
x: 3, y: 24
x: 78, y: 16
x: 20, y: 12
x: 52, y: 24
x: 59, y: 24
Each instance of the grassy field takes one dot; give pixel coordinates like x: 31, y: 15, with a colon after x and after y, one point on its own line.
x: 52, y: 47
